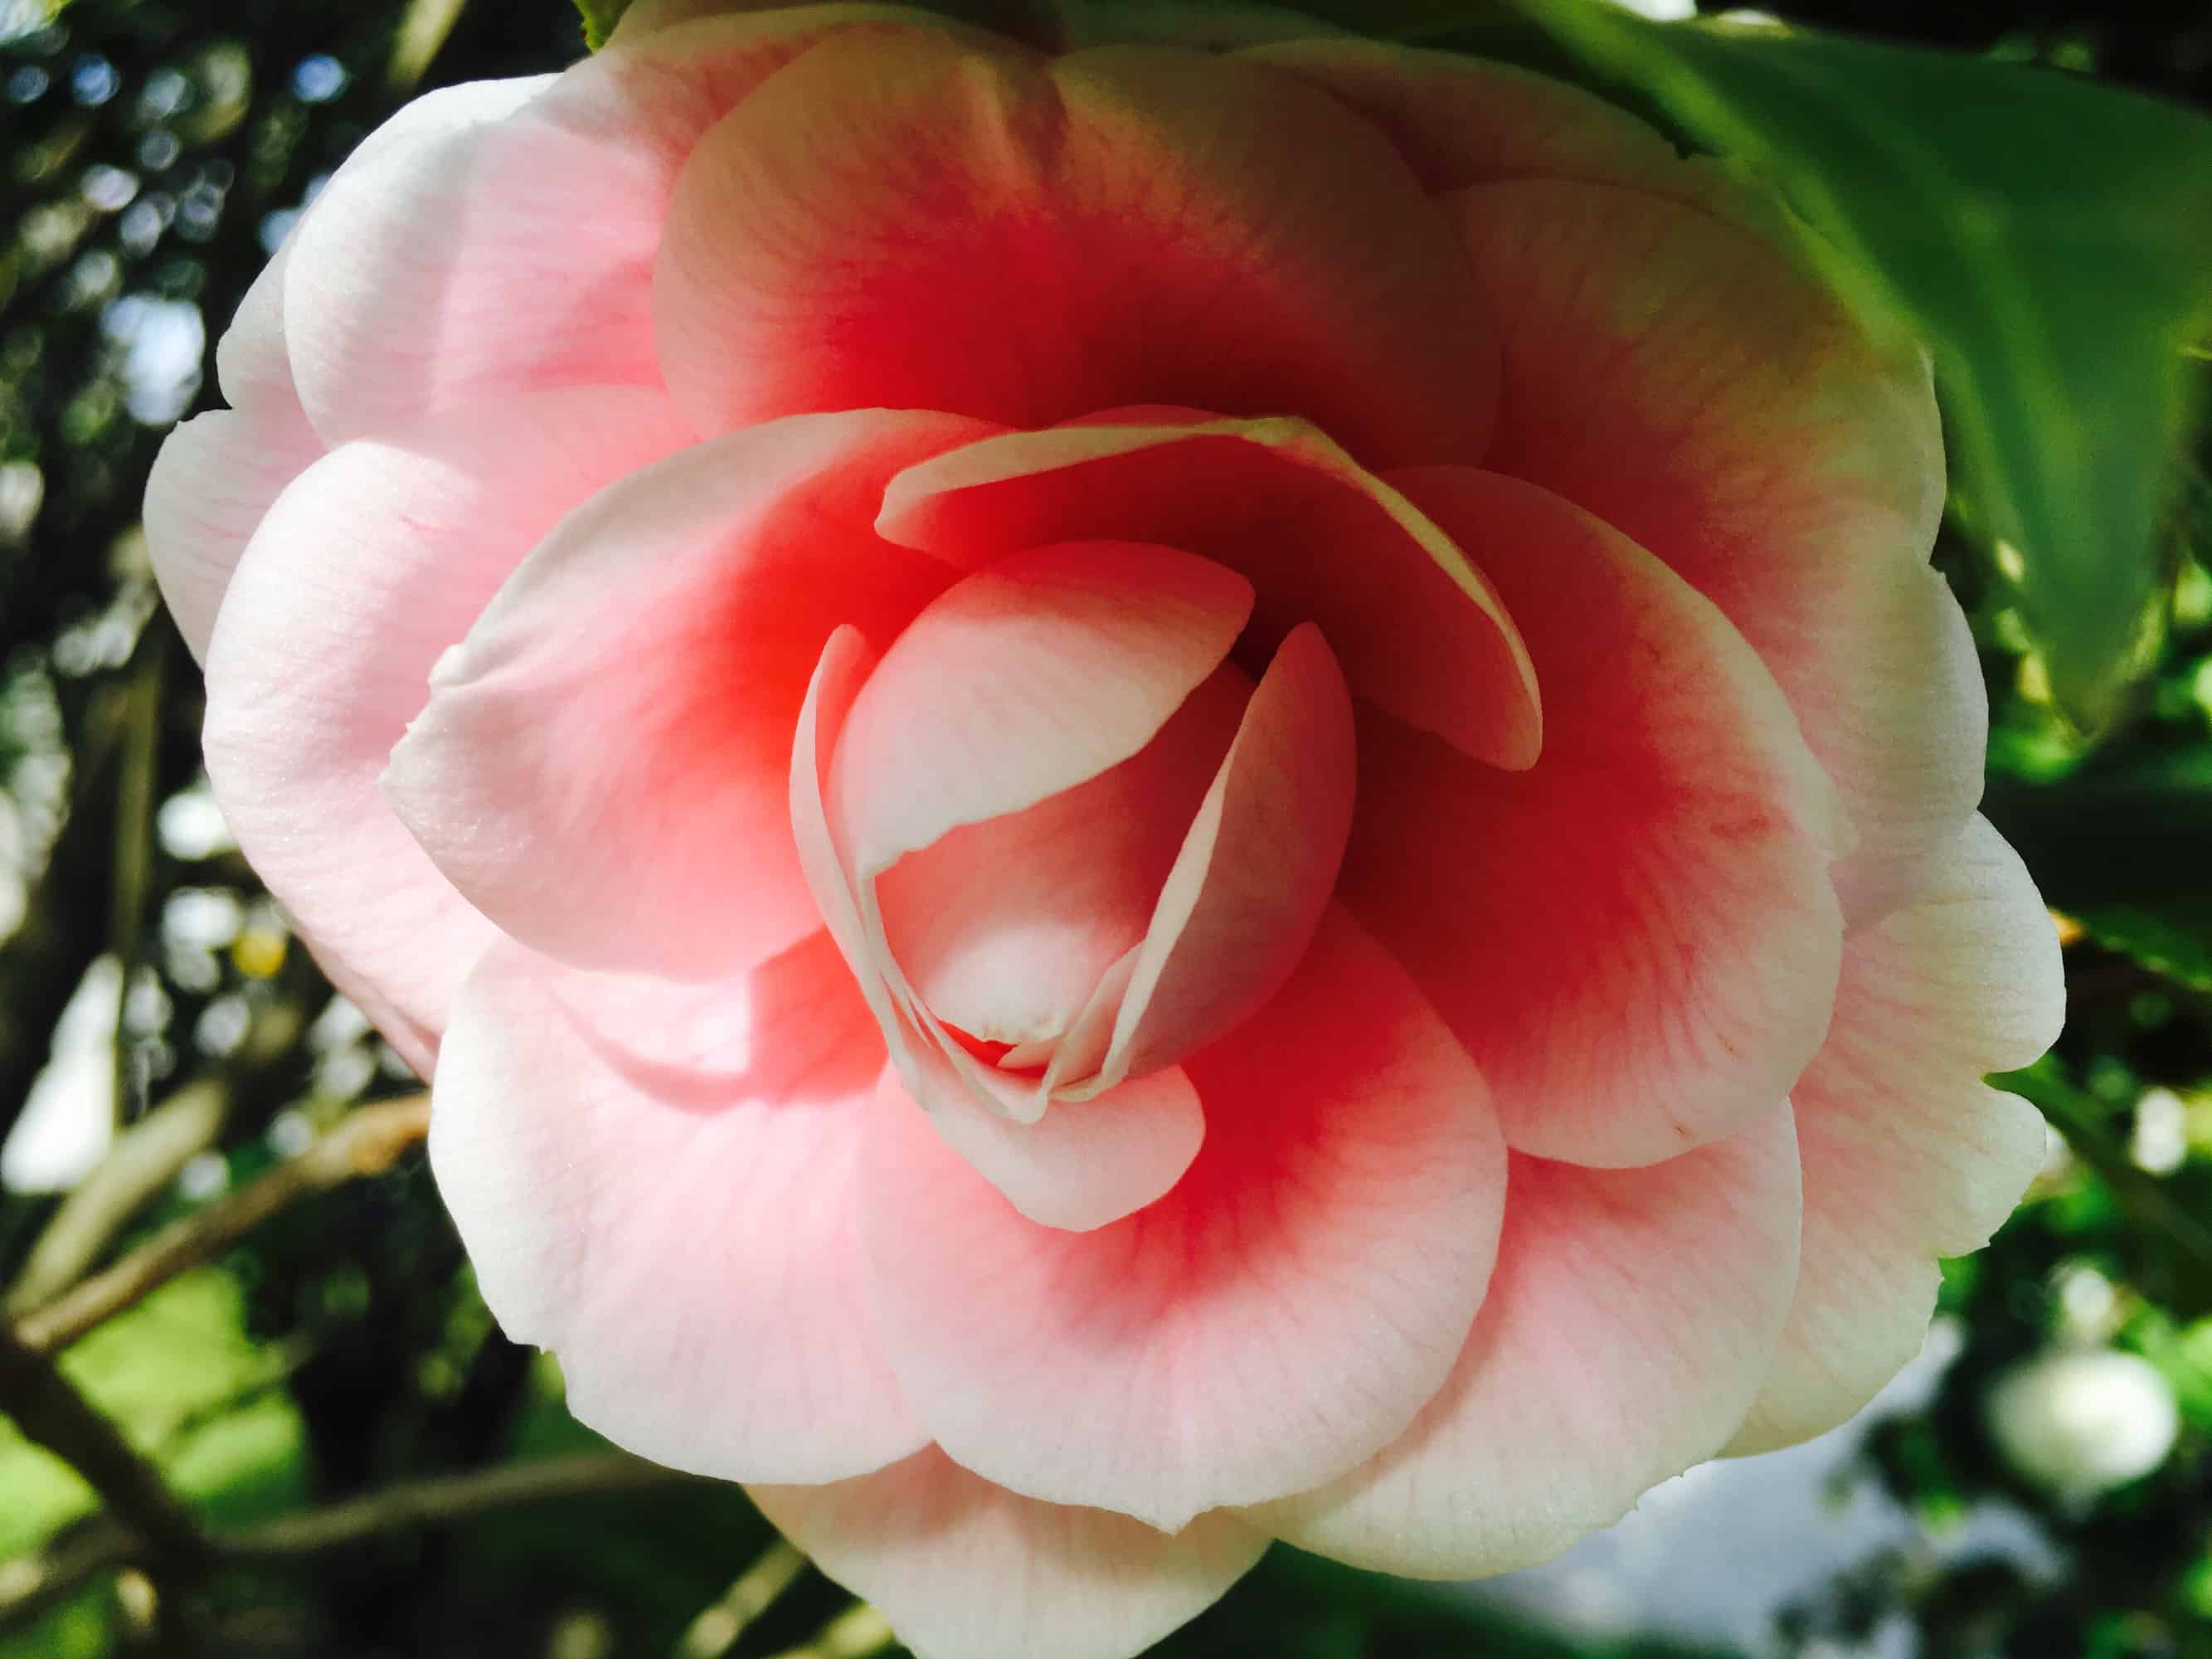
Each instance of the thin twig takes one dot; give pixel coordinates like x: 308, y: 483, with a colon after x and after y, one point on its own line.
x: 856, y: 1633
x: 145, y: 1158
x: 438, y: 1500
x: 716, y: 1631
x: 46, y: 1406
x: 366, y: 1141
x: 31, y: 1584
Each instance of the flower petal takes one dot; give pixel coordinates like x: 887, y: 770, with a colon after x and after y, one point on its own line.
x: 1418, y: 626
x: 1630, y: 1320
x: 372, y: 562
x: 212, y: 485
x: 965, y: 1570
x: 1004, y: 927
x: 216, y: 474
x: 685, y: 1238
x: 1637, y: 939
x: 509, y: 245
x: 1025, y: 680
x: 1239, y: 909
x: 1078, y: 1169
x: 603, y: 767
x: 875, y: 225
x: 1908, y: 1155
x: 1687, y: 380
x: 1460, y: 120
x: 1279, y: 1315
x: 1083, y: 1164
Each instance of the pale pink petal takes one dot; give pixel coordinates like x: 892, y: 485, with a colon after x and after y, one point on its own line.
x: 216, y: 474
x: 252, y: 362
x: 210, y: 487
x: 507, y: 243
x: 1637, y: 939
x: 1025, y: 680
x: 1461, y: 120
x: 1256, y: 872
x: 1279, y: 1316
x: 603, y: 767
x: 1004, y: 927
x: 369, y: 565
x: 1688, y: 380
x: 1416, y: 625
x: 876, y: 224
x: 965, y: 1570
x: 685, y: 1240
x: 1908, y: 1156
x: 1631, y: 1317
x: 1083, y: 1164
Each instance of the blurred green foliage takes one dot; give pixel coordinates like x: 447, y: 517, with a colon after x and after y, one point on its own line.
x: 153, y: 150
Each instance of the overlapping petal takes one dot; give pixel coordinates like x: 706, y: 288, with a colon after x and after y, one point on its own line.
x: 603, y: 765
x: 1237, y: 912
x: 876, y: 226
x: 1279, y: 1315
x: 1460, y: 120
x: 1683, y: 376
x: 656, y: 1183
x: 966, y: 1570
x: 1630, y: 1321
x: 1637, y: 939
x: 1025, y: 680
x: 509, y: 245
x: 1417, y: 626
x: 1909, y: 1155
x: 368, y: 566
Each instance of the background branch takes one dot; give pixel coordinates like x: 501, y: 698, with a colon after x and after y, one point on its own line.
x: 50, y: 1412
x: 33, y: 1584
x: 368, y: 1141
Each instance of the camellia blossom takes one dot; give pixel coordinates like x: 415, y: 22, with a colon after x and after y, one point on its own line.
x: 1131, y: 794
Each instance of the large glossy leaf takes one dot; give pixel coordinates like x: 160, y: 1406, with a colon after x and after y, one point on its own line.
x: 2048, y: 237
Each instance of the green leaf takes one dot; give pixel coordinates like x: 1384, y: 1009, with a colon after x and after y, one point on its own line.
x: 600, y: 17
x: 2120, y: 847
x: 2050, y: 238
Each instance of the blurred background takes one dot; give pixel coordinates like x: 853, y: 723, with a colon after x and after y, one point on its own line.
x: 214, y: 1211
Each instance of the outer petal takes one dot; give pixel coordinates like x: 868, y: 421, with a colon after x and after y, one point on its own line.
x: 216, y: 474
x: 369, y: 565
x: 1418, y: 626
x: 1458, y: 120
x: 683, y: 1236
x: 965, y: 1570
x: 1279, y: 1315
x: 877, y: 225
x: 1637, y: 939
x: 211, y: 486
x: 1908, y: 1156
x: 604, y: 765
x: 510, y: 246
x: 1684, y: 378
x: 1631, y: 1318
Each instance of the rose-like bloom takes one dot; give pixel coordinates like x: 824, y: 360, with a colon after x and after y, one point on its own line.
x: 1132, y: 796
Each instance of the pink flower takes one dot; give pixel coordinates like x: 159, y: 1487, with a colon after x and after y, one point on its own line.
x: 1130, y: 800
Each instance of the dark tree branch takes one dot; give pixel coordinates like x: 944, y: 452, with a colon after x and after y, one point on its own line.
x: 50, y: 1412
